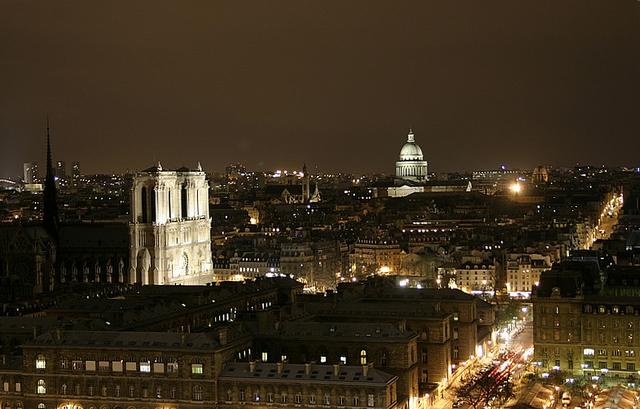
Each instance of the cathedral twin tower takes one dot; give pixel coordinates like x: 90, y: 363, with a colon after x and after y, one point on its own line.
x: 170, y: 227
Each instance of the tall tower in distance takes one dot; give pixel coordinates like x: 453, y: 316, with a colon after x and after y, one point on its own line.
x: 61, y: 169
x: 30, y: 172
x: 75, y: 173
x: 169, y: 229
x: 50, y: 195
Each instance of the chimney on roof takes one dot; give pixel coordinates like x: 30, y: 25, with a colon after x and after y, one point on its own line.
x: 35, y: 332
x: 365, y: 370
x: 58, y: 334
x: 223, y: 336
x: 336, y: 369
x: 252, y: 366
x: 280, y: 367
x: 183, y: 338
x: 307, y: 369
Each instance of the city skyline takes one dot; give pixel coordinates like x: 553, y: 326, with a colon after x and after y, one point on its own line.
x: 334, y: 85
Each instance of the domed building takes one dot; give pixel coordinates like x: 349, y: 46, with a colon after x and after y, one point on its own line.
x: 411, y: 165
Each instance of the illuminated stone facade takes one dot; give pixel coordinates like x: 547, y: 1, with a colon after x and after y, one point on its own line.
x: 170, y: 227
x: 411, y: 165
x: 586, y: 330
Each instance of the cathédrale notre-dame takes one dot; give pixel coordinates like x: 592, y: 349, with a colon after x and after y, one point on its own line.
x: 185, y: 289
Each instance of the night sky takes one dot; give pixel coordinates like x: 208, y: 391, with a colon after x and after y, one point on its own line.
x: 335, y: 84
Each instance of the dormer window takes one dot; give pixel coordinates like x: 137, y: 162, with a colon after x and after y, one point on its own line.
x: 41, y: 362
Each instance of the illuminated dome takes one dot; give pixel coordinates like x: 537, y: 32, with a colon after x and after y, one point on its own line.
x: 411, y: 165
x: 411, y: 150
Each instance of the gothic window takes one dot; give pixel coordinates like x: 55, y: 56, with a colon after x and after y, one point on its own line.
x: 183, y: 201
x: 185, y: 263
x: 197, y: 392
x: 153, y: 206
x: 143, y: 204
x: 363, y: 357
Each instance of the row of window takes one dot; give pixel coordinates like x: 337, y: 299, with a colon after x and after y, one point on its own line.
x: 616, y: 366
x: 41, y: 389
x: 629, y: 353
x: 298, y: 398
x: 144, y: 366
x: 604, y: 309
x: 323, y: 358
x: 603, y: 324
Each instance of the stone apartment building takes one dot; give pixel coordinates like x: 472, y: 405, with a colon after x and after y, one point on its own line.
x: 375, y: 256
x: 587, y: 324
x: 92, y: 369
x: 391, y: 348
x: 477, y: 277
x: 523, y: 272
x: 262, y: 385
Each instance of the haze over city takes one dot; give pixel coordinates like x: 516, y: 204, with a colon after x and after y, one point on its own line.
x: 333, y: 84
x: 306, y: 204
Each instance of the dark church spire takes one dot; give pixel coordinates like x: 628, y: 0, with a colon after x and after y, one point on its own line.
x: 50, y: 216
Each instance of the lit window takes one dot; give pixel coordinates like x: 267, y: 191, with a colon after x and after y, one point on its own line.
x: 323, y: 359
x: 42, y: 387
x: 197, y: 369
x: 363, y: 357
x: 145, y: 366
x: 589, y: 351
x: 41, y: 362
x: 116, y: 366
x: 172, y: 367
x: 370, y: 400
x: 343, y: 360
x: 265, y: 356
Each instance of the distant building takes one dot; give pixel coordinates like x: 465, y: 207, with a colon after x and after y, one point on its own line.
x: 411, y: 165
x: 170, y: 227
x: 30, y: 172
x: 61, y: 170
x: 540, y: 175
x: 476, y: 277
x: 375, y: 256
x: 523, y: 272
x: 75, y: 172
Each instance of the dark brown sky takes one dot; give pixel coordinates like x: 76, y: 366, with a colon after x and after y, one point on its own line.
x: 334, y: 84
